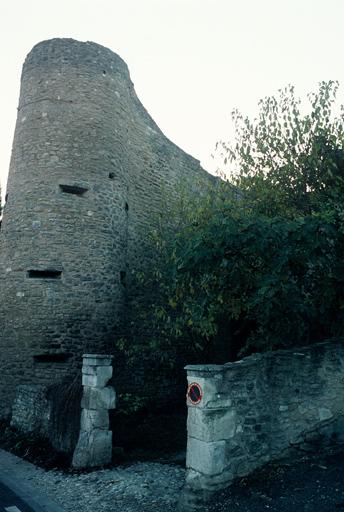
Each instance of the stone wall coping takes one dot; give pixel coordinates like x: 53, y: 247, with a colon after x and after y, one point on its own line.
x: 218, y: 368
x: 100, y: 360
x: 209, y: 368
x: 98, y: 356
x: 258, y: 357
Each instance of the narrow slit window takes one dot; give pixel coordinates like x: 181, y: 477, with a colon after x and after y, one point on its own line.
x: 51, y: 358
x: 73, y: 189
x: 123, y: 277
x: 44, y: 274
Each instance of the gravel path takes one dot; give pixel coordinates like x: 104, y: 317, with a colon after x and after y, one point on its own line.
x: 313, y: 484
x: 140, y: 487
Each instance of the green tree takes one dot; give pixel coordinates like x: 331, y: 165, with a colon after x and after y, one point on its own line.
x: 285, y: 162
x: 256, y: 262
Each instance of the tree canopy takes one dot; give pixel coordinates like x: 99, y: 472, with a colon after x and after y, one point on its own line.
x: 288, y: 163
x: 256, y: 262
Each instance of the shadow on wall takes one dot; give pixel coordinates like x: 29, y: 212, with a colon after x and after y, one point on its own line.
x: 50, y: 412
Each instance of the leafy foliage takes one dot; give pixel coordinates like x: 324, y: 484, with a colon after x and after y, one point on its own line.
x: 287, y: 163
x: 256, y: 262
x: 263, y: 283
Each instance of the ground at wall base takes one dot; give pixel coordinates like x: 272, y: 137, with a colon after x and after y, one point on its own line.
x: 143, y: 436
x: 313, y: 484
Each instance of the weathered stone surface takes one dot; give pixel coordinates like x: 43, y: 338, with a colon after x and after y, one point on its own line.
x: 254, y: 410
x: 211, y: 425
x: 93, y: 449
x: 90, y: 171
x: 206, y: 457
x: 212, y: 387
x: 97, y: 360
x: 325, y: 414
x: 96, y: 369
x: 31, y: 410
x: 98, y: 398
x: 96, y: 376
x: 94, y: 419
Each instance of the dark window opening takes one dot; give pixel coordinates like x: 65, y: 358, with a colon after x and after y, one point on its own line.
x: 59, y: 357
x: 126, y: 207
x: 6, y: 198
x: 104, y: 73
x: 123, y: 277
x: 111, y: 175
x: 44, y: 274
x: 73, y: 189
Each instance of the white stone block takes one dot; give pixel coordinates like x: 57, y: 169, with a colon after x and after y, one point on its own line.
x: 198, y: 482
x: 97, y: 360
x: 212, y: 392
x: 96, y: 370
x: 94, y: 419
x: 93, y: 449
x: 98, y: 398
x: 207, y: 458
x: 96, y: 376
x: 211, y: 425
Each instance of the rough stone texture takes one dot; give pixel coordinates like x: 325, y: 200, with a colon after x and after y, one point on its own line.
x: 256, y: 410
x: 94, y: 447
x: 99, y: 398
x: 96, y: 360
x: 94, y: 419
x: 89, y: 171
x: 51, y: 412
x: 31, y: 410
x: 96, y: 376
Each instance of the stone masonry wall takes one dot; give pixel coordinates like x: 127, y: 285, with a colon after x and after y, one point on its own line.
x: 31, y: 410
x: 258, y: 409
x: 89, y: 172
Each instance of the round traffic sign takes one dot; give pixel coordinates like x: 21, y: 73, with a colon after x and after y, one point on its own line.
x: 194, y: 393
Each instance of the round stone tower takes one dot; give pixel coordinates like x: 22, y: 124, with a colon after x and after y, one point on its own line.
x: 89, y: 171
x: 64, y: 232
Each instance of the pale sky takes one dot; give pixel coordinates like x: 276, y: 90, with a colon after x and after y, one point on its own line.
x: 192, y: 61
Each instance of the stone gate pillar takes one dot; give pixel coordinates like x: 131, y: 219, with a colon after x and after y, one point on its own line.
x: 208, y: 425
x: 94, y: 447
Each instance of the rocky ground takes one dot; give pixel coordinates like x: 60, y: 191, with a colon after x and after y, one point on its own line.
x: 139, y: 487
x: 313, y: 484
x: 152, y: 479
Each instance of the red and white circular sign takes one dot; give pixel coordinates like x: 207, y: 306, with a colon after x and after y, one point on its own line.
x: 194, y: 393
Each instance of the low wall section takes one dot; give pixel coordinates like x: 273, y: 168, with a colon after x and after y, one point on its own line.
x: 242, y: 415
